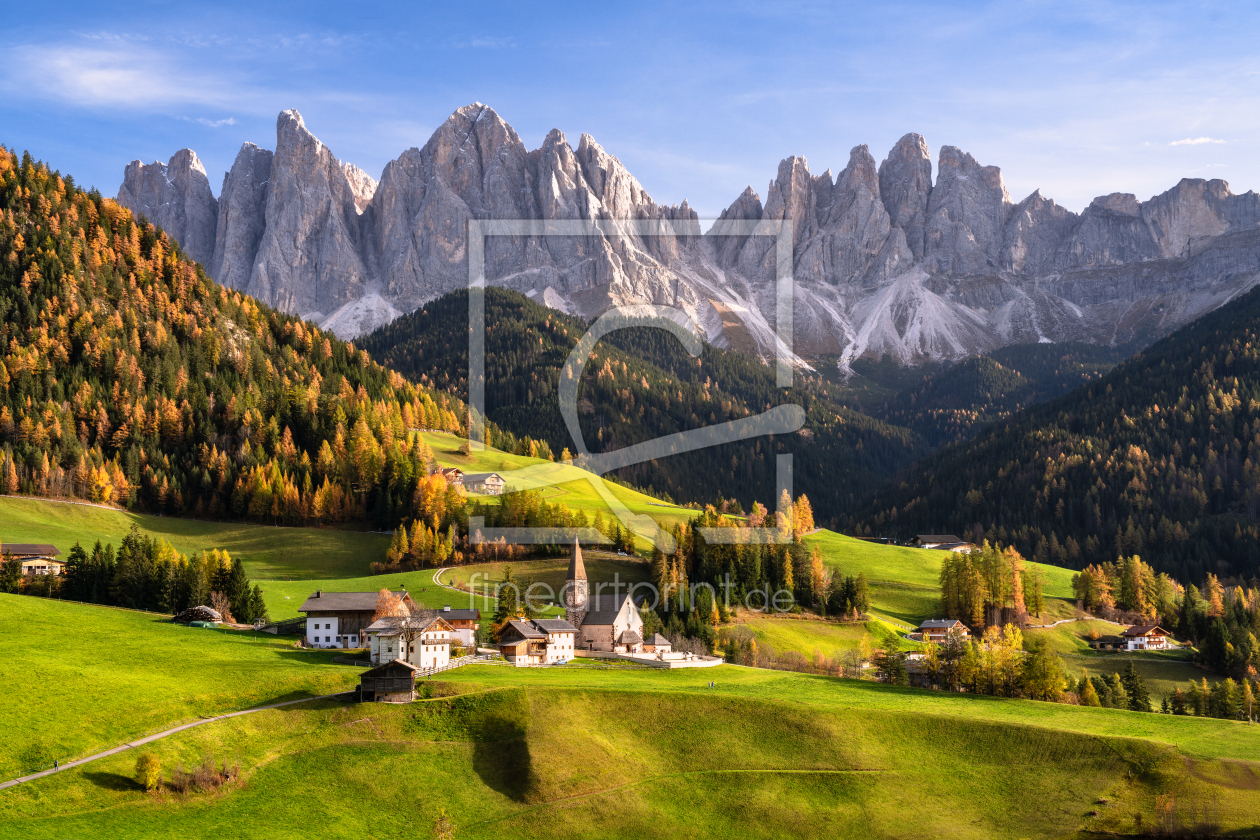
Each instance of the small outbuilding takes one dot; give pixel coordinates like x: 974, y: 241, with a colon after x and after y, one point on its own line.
x: 393, y: 682
x: 658, y: 644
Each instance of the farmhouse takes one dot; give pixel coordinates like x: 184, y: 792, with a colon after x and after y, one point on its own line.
x: 36, y: 558
x: 935, y: 540
x: 543, y: 641
x: 1146, y: 637
x: 487, y: 484
x: 603, y: 622
x: 454, y: 476
x: 393, y: 682
x: 340, y: 619
x: 422, y: 639
x: 940, y: 629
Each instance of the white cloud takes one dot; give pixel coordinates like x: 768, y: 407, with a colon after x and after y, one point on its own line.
x: 211, y: 123
x: 122, y: 74
x: 1195, y: 141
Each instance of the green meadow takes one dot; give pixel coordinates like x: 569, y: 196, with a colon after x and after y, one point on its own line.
x: 266, y: 551
x: 587, y: 753
x: 905, y: 582
x: 81, y: 678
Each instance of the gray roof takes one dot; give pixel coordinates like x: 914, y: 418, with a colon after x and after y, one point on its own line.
x: 29, y: 549
x: 476, y: 478
x: 525, y: 630
x: 389, y: 626
x: 660, y: 641
x: 937, y: 538
x: 554, y: 625
x: 629, y: 637
x: 603, y: 608
x: 395, y: 663
x: 939, y: 624
x: 322, y: 601
x: 460, y: 615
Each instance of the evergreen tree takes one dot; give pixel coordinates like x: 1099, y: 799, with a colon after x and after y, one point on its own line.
x: 1138, y: 698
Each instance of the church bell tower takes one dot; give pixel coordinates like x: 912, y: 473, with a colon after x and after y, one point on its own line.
x: 575, y: 588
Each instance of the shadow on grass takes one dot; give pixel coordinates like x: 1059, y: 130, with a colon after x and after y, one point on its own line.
x: 501, y: 756
x: 112, y: 781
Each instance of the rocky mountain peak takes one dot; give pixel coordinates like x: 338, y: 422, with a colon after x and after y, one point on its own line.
x: 1126, y: 204
x: 905, y: 182
x: 175, y: 196
x: 966, y: 213
x: 361, y: 184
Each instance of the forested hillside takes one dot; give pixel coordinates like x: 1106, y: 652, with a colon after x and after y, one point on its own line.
x: 642, y: 384
x: 127, y: 376
x: 953, y: 404
x: 1160, y: 458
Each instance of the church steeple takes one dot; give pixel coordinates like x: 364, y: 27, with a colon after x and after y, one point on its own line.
x: 576, y: 591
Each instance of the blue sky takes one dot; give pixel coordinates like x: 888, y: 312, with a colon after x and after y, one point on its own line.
x: 1078, y: 99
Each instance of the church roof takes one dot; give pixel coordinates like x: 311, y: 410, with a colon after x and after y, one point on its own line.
x: 603, y: 609
x: 629, y: 637
x: 577, y: 569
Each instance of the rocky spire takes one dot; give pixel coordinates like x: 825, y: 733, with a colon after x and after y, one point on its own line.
x: 242, y: 216
x: 310, y: 260
x: 966, y: 213
x: 905, y: 184
x: 176, y: 197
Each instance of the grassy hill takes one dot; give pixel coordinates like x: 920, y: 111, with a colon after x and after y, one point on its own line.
x: 84, y: 678
x: 616, y: 753
x: 267, y: 552
x: 905, y: 582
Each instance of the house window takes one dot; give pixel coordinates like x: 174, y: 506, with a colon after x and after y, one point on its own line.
x: 326, y: 639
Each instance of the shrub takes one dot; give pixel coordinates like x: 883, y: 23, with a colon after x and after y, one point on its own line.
x: 149, y: 771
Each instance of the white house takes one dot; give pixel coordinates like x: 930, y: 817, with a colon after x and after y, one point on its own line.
x: 487, y: 484
x: 340, y: 619
x: 1146, y: 637
x: 430, y: 648
x: 561, y: 637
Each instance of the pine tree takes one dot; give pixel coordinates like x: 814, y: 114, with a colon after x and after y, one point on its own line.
x: 1138, y: 698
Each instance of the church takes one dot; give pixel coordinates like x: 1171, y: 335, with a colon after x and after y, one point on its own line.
x: 603, y: 622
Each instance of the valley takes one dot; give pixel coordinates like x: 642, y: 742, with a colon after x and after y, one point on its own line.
x: 1065, y: 404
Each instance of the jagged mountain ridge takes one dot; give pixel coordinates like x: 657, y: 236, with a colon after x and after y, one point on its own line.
x: 885, y: 260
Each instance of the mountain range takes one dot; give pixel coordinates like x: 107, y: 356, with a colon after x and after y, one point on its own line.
x: 887, y: 260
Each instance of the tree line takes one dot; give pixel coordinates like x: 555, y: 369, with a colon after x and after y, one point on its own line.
x: 145, y: 573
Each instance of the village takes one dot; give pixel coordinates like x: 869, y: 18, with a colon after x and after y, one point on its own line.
x: 405, y: 641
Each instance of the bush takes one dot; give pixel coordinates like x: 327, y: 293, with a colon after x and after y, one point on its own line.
x: 149, y: 771
x: 204, y: 777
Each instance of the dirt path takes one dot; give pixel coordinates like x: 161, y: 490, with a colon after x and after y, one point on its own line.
x: 139, y: 742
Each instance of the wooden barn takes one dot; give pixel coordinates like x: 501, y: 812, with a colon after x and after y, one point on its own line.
x: 393, y: 682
